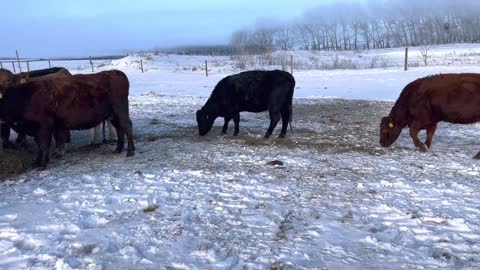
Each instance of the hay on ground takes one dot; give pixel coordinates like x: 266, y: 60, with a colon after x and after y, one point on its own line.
x: 14, y: 163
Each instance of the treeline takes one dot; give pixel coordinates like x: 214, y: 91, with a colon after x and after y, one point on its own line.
x: 220, y: 50
x: 377, y: 24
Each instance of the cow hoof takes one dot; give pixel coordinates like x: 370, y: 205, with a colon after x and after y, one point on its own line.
x: 281, y: 136
x: 96, y: 145
x: 423, y: 149
x: 235, y: 134
x: 477, y: 156
x: 42, y: 168
x: 58, y: 156
x: 130, y: 154
x: 117, y: 151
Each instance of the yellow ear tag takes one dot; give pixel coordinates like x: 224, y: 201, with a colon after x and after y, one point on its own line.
x: 22, y: 81
x: 391, y: 125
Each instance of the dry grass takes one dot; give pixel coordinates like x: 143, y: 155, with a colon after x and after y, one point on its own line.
x: 13, y: 162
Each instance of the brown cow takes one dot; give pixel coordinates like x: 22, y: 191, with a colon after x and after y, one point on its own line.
x: 453, y: 98
x: 51, y: 107
x: 8, y: 79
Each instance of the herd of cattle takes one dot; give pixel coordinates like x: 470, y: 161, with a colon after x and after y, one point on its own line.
x: 51, y: 102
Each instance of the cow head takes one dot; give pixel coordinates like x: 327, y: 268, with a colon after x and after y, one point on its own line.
x: 389, y: 131
x: 6, y: 79
x: 205, y: 122
x: 20, y: 78
x: 2, y: 106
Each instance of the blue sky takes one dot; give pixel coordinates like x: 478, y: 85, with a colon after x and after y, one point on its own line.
x: 95, y: 27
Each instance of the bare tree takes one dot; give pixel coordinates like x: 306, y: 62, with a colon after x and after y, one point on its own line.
x: 424, y: 53
x: 303, y: 36
x: 285, y: 38
x: 264, y: 38
x: 374, y: 25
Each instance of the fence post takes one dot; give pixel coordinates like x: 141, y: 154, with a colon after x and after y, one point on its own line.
x: 28, y: 66
x: 18, y: 60
x: 13, y: 65
x: 291, y: 64
x: 91, y: 63
x: 206, y: 68
x: 141, y: 64
x: 49, y: 64
x: 406, y: 59
x: 1, y: 65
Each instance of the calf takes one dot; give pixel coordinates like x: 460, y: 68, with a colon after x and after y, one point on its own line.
x: 78, y: 102
x: 453, y: 98
x: 251, y: 91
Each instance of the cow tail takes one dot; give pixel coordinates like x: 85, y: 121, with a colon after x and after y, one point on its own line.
x: 290, y: 106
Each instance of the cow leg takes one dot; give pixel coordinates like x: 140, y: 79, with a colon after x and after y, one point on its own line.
x: 38, y: 159
x: 414, y: 130
x: 131, y: 146
x: 112, y: 135
x: 430, y: 132
x: 125, y: 127
x: 44, y: 139
x: 236, y: 121
x: 274, y: 119
x: 285, y: 120
x: 120, y: 140
x: 61, y: 136
x: 68, y: 138
x: 95, y: 133
x: 21, y: 140
x: 225, y: 124
x: 5, y: 134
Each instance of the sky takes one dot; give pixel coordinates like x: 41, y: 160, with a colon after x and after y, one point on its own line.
x: 56, y: 28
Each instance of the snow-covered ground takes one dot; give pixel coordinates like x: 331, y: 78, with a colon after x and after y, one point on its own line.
x: 339, y: 201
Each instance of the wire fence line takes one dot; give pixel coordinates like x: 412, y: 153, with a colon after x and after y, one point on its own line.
x: 24, y: 64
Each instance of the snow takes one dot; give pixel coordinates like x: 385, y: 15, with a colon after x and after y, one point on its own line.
x: 339, y: 201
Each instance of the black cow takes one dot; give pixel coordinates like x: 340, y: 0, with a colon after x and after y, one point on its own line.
x: 251, y: 91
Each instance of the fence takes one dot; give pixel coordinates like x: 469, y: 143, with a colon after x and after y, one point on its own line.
x: 24, y: 64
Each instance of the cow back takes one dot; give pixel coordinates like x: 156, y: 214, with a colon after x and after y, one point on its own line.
x: 453, y: 98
